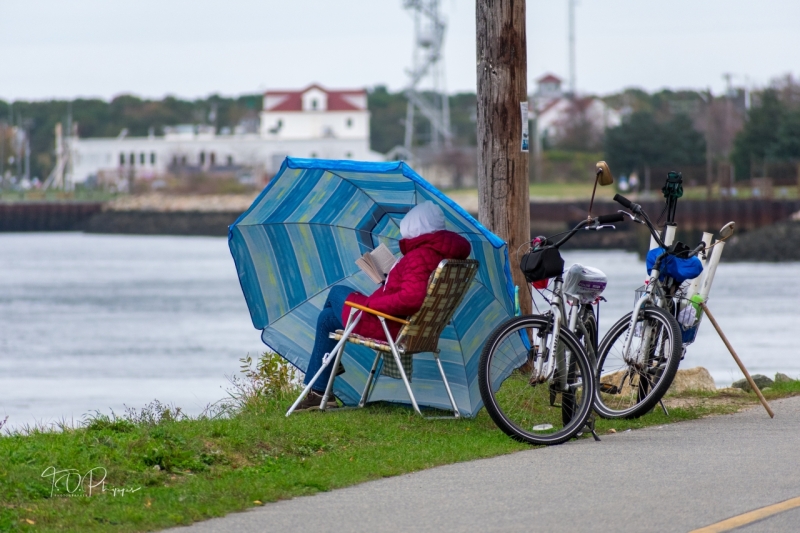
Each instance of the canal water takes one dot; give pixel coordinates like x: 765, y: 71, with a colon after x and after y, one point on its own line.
x: 101, y: 322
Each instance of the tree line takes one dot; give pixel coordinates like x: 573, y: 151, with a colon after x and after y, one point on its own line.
x: 665, y: 128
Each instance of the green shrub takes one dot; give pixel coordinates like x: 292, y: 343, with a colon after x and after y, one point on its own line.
x: 271, y: 379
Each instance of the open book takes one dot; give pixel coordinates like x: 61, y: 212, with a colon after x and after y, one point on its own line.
x: 377, y: 263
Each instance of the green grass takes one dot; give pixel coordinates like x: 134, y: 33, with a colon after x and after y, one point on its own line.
x: 184, y: 470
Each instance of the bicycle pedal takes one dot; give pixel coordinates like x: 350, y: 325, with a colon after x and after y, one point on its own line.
x: 608, y: 388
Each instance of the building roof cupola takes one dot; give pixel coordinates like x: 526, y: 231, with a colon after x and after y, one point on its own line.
x: 315, y: 99
x: 548, y: 86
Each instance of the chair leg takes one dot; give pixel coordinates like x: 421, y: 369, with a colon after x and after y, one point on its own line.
x: 336, y: 362
x: 325, y: 362
x: 370, y: 380
x: 456, y: 414
x: 400, y: 366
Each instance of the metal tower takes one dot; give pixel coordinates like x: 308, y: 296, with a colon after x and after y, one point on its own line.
x: 428, y: 62
x: 571, y: 17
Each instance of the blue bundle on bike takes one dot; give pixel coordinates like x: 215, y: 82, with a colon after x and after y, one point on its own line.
x: 677, y: 268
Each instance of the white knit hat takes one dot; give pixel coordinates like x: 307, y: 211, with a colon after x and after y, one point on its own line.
x: 426, y: 217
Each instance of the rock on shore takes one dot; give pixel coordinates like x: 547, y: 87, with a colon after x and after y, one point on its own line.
x: 778, y: 242
x: 761, y: 381
x: 692, y: 379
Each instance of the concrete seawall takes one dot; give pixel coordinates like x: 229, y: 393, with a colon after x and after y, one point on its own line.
x: 211, y: 216
x: 213, y: 224
x: 46, y: 216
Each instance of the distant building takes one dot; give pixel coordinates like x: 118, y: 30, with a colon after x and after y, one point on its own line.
x: 556, y: 112
x: 313, y: 122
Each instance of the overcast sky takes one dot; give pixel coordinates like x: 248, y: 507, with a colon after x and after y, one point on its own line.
x: 71, y: 48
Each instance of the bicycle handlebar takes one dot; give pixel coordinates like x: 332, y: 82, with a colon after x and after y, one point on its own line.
x: 598, y: 222
x: 610, y: 219
x: 637, y: 209
x: 697, y: 249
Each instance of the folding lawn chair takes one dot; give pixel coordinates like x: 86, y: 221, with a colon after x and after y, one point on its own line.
x: 420, y: 333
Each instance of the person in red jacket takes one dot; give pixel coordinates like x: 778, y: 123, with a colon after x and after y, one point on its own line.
x: 424, y: 245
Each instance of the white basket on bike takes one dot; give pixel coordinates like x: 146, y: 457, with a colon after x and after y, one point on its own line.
x: 679, y: 304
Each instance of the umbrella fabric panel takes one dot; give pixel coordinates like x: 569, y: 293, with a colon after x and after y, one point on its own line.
x: 387, y: 231
x: 277, y: 190
x: 514, y: 354
x: 248, y: 277
x: 384, y: 188
x: 454, y: 218
x: 344, y: 204
x: 285, y: 265
x: 491, y: 272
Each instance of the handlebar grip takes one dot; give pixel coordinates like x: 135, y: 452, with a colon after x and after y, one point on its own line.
x: 697, y: 249
x: 623, y: 201
x: 610, y: 219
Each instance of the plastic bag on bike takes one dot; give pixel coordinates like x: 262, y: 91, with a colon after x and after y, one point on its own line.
x: 678, y: 268
x: 584, y: 283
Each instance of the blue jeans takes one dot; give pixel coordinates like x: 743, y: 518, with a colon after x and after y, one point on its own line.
x: 329, y: 320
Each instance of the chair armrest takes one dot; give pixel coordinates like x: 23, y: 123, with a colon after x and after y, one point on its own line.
x: 376, y: 313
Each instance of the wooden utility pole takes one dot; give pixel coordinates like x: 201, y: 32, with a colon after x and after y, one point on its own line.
x: 503, y: 193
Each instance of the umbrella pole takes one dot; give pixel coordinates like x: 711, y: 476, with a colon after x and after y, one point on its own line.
x: 738, y: 361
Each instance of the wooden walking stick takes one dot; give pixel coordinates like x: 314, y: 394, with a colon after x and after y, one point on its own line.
x: 738, y: 361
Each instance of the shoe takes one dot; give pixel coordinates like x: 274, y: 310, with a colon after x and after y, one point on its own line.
x: 313, y: 400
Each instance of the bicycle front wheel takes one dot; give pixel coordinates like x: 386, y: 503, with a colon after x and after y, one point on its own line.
x: 630, y: 384
x: 532, y: 395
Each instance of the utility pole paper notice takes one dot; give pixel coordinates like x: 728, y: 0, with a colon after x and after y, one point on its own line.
x: 523, y: 109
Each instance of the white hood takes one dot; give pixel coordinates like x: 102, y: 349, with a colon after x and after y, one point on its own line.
x: 426, y: 217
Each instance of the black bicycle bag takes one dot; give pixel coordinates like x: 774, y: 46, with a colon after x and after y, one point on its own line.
x: 542, y: 263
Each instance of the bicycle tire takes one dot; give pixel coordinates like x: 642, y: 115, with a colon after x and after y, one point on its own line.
x: 516, y: 398
x: 612, y: 398
x: 590, y: 323
x: 589, y: 343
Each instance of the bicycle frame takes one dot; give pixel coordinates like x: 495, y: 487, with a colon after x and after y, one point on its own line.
x: 557, y: 308
x: 646, y: 298
x: 561, y: 358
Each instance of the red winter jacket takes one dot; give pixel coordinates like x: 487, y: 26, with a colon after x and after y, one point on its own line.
x: 403, y: 293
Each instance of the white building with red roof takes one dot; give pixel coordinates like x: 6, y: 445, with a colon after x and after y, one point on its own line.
x: 557, y: 112
x: 315, y: 113
x: 313, y: 122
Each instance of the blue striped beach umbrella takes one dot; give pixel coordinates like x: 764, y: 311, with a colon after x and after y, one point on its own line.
x: 302, y: 236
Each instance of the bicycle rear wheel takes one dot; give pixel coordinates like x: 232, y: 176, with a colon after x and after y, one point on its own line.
x: 530, y: 397
x: 588, y: 340
x: 628, y: 386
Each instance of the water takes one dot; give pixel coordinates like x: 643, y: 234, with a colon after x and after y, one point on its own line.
x: 99, y: 322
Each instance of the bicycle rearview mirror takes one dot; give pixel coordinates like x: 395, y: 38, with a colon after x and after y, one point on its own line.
x: 602, y: 175
x: 727, y: 230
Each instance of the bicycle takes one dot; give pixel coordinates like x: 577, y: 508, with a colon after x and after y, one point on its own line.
x: 640, y: 354
x: 535, y: 375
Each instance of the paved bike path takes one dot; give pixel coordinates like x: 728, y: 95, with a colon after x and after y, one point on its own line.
x: 677, y: 477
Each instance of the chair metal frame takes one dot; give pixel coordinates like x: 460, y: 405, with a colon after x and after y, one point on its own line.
x: 410, y: 340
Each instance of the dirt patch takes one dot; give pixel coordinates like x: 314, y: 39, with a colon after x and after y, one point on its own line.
x: 710, y: 401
